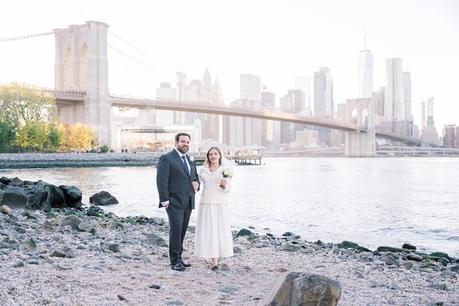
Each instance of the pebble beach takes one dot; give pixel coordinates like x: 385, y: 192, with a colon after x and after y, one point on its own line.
x: 86, y: 256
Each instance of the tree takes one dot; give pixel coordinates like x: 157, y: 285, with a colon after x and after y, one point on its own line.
x: 21, y: 104
x: 6, y: 135
x: 76, y: 137
x: 54, y: 138
x: 33, y: 136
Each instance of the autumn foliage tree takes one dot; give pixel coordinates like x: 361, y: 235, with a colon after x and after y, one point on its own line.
x: 28, y: 122
x: 26, y: 119
x: 78, y: 137
x: 21, y: 104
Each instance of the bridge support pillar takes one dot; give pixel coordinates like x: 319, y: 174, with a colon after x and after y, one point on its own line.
x: 360, y: 144
x: 81, y: 64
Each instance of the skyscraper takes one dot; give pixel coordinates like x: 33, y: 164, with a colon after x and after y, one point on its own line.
x: 449, y: 135
x: 429, y: 133
x: 423, y: 115
x: 270, y: 129
x: 304, y: 83
x: 250, y: 87
x: 365, y: 73
x: 407, y: 95
x: 394, y: 108
x: 245, y: 131
x: 323, y: 93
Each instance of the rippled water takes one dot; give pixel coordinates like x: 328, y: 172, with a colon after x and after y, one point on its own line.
x: 379, y: 201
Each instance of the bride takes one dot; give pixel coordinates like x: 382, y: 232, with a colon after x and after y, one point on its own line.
x: 213, y: 232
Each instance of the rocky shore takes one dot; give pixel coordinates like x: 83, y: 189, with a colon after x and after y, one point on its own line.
x: 84, y: 256
x: 75, y: 160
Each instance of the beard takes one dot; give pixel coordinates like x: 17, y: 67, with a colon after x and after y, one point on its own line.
x: 183, y: 149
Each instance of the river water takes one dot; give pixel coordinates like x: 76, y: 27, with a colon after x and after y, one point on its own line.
x: 375, y: 201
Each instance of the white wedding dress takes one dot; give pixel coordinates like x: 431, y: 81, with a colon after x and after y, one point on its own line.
x: 213, y: 231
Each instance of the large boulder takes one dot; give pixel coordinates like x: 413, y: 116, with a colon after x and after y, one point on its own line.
x: 14, y: 196
x: 45, y: 196
x: 36, y: 195
x: 72, y: 195
x: 103, y: 198
x: 303, y: 289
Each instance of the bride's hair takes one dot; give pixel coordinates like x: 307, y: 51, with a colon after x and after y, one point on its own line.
x: 219, y: 152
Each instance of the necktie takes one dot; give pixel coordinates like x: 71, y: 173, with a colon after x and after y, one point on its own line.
x: 185, y: 165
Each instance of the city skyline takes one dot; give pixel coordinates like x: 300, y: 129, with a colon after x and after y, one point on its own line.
x: 287, y: 40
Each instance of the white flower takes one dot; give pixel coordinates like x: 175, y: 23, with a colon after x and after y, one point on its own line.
x: 192, y: 158
x: 227, y: 173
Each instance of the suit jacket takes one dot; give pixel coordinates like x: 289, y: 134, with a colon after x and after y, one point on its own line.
x: 173, y: 181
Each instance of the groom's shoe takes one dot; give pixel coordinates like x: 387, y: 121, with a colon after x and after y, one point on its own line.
x: 178, y: 267
x: 186, y: 264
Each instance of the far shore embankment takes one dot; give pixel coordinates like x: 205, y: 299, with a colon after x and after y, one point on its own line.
x: 75, y: 160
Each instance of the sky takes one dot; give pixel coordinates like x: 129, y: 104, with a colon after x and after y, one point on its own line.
x: 276, y: 40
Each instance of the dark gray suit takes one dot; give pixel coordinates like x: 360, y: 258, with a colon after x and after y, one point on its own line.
x: 174, y: 185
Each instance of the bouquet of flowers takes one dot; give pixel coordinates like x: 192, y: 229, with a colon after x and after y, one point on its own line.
x: 227, y: 173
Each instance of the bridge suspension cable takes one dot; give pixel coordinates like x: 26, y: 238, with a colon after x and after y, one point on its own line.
x: 14, y: 38
x: 143, y: 53
x: 138, y: 61
x: 169, y: 74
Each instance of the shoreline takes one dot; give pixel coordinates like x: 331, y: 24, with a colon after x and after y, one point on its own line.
x: 142, y: 159
x: 90, y: 257
x: 76, y: 160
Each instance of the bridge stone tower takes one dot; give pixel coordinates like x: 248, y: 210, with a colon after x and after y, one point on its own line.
x: 81, y: 64
x: 361, y: 113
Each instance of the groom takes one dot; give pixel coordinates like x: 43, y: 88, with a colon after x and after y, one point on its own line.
x: 177, y: 182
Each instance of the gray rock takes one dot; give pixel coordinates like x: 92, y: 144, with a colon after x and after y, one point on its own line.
x: 31, y: 244
x: 158, y: 221
x: 20, y: 230
x: 14, y: 196
x: 72, y: 221
x: 228, y: 289
x: 174, y: 303
x: 114, y: 247
x: 390, y: 260
x: 243, y: 232
x: 18, y: 264
x: 154, y: 286
x: 391, y: 249
x: 103, y: 198
x: 64, y: 252
x: 155, y: 239
x: 455, y: 268
x: 121, y: 298
x: 393, y: 286
x: 29, y: 215
x: 237, y: 249
x: 348, y: 245
x: 443, y: 261
x: 306, y: 289
x: 408, y: 246
x: 72, y: 195
x: 289, y: 247
x: 414, y: 257
x: 438, y: 286
x: 408, y: 265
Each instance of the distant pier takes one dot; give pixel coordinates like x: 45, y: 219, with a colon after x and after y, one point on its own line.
x: 239, y: 157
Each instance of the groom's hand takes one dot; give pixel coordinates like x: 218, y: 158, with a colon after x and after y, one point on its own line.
x: 165, y: 204
x: 195, y: 186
